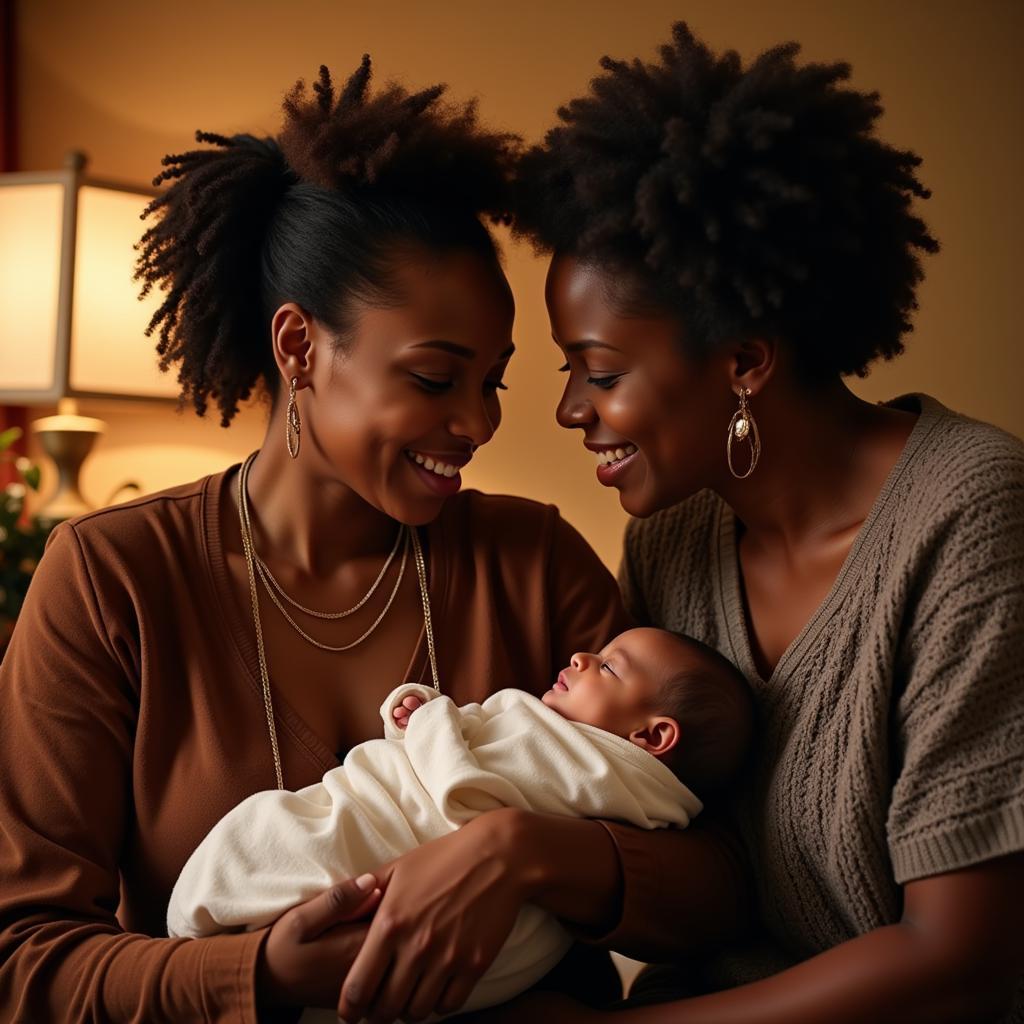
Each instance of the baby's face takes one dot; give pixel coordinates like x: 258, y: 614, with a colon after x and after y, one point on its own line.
x: 615, y: 689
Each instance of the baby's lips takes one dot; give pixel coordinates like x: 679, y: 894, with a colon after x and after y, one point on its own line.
x: 560, y: 683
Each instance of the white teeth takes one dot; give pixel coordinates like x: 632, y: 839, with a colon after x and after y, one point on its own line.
x: 433, y: 465
x: 607, y: 456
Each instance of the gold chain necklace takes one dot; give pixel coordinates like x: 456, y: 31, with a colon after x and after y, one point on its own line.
x: 247, y: 530
x: 268, y: 701
x: 268, y: 577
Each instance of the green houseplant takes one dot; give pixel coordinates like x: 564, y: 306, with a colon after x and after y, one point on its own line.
x: 21, y: 539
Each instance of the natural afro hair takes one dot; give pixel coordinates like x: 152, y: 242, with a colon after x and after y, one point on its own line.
x: 316, y: 216
x: 747, y: 200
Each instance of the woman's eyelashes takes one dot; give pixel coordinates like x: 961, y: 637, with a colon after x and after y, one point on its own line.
x: 440, y: 385
x: 597, y: 380
x: 606, y: 381
x: 435, y: 385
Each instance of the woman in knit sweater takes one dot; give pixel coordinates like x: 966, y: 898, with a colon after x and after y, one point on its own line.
x: 727, y: 243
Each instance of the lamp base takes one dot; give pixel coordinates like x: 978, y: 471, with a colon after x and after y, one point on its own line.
x: 67, y: 439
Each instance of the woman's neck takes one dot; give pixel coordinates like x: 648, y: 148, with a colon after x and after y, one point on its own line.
x: 305, y: 518
x: 825, y: 456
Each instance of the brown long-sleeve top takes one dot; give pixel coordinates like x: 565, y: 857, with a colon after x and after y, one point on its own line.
x: 131, y: 720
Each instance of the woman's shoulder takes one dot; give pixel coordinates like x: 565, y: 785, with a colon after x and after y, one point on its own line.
x: 162, y: 521
x: 960, y: 468
x: 521, y: 535
x: 479, y: 518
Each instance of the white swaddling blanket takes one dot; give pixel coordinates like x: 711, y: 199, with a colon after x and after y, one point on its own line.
x: 279, y: 848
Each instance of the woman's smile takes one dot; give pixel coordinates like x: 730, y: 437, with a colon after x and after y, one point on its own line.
x: 612, y: 460
x: 439, y: 472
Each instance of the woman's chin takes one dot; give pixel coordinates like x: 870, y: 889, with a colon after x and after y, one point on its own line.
x: 635, y: 497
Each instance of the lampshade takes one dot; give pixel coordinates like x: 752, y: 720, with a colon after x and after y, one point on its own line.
x: 73, y: 326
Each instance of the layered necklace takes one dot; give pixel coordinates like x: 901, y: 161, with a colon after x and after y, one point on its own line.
x: 407, y: 537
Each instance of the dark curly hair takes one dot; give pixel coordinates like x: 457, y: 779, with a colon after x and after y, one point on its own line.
x: 320, y: 216
x: 747, y: 201
x: 711, y: 702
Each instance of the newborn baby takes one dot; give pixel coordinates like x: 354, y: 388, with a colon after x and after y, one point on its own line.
x: 636, y: 733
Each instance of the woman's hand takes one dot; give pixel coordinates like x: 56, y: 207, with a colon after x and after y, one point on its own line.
x: 306, y: 954
x: 448, y: 907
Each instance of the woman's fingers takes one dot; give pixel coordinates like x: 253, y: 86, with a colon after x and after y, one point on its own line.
x: 426, y: 996
x: 395, y: 991
x: 364, y: 978
x: 295, y: 972
x: 344, y: 902
x: 457, y: 992
x: 448, y: 907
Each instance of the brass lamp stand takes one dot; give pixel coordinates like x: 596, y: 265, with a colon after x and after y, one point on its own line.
x: 67, y: 438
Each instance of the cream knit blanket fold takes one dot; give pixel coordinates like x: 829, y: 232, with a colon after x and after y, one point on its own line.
x: 279, y: 848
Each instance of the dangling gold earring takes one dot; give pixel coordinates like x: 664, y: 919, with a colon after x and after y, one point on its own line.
x: 742, y: 426
x: 292, y: 423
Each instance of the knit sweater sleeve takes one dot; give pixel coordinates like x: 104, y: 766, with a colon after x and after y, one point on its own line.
x: 958, y: 795
x: 68, y: 708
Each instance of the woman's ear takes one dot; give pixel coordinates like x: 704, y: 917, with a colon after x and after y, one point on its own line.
x: 293, y: 330
x: 752, y: 363
x: 657, y: 736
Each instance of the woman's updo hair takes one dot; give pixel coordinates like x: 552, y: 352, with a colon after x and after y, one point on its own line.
x: 321, y: 216
x: 749, y: 201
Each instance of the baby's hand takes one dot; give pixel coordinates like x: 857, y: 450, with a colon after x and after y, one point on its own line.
x: 404, y: 711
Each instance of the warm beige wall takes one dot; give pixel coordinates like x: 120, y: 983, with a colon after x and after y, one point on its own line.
x: 128, y: 82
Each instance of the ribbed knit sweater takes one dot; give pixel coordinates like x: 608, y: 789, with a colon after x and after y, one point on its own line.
x: 890, y: 740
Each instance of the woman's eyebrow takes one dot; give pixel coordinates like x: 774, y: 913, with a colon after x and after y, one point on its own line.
x: 448, y: 346
x: 582, y: 346
x: 462, y: 351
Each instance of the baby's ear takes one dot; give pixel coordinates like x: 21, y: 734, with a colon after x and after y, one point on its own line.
x: 657, y: 736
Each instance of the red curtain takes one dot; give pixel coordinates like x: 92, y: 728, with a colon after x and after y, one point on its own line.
x: 10, y: 416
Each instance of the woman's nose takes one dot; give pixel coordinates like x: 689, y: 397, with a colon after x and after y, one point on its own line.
x: 475, y: 421
x: 573, y: 410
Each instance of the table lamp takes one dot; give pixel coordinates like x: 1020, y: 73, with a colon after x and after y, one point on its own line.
x: 72, y: 325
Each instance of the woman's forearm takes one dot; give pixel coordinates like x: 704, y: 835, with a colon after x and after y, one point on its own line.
x: 890, y: 974
x: 653, y: 894
x: 568, y: 866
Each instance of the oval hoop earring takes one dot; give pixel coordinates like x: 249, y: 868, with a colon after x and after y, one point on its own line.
x: 292, y: 422
x: 742, y: 427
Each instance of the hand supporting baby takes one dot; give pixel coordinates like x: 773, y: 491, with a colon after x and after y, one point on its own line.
x: 404, y: 711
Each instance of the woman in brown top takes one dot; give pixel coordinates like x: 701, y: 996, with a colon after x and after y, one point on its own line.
x: 153, y: 680
x: 728, y: 242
